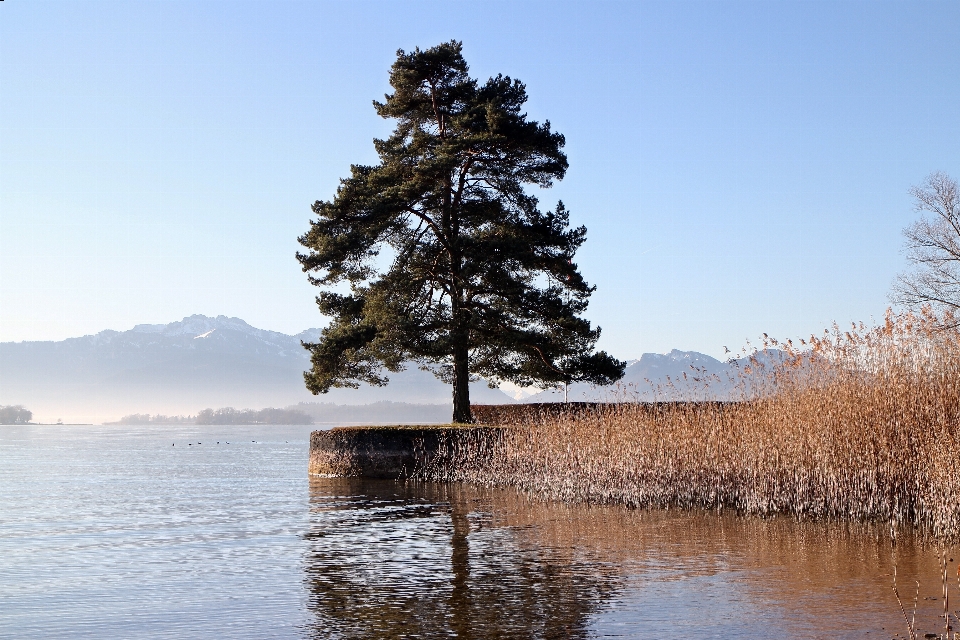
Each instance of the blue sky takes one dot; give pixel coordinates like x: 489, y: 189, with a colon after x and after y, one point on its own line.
x: 741, y: 167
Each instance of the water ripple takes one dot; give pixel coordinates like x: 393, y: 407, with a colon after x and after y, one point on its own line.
x: 111, y: 532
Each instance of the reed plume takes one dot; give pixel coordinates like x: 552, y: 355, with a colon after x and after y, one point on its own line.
x: 856, y: 424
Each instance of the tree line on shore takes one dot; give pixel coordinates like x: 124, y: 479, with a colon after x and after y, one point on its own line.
x: 226, y: 415
x: 304, y: 413
x: 15, y: 414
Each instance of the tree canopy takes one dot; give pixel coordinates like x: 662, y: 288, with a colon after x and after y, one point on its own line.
x: 441, y: 256
x: 15, y: 414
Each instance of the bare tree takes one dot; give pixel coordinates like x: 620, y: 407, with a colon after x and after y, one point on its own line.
x: 933, y: 247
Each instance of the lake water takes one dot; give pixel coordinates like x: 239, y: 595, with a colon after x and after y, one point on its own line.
x: 114, y: 532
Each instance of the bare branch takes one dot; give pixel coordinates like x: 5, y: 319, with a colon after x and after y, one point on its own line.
x: 932, y: 247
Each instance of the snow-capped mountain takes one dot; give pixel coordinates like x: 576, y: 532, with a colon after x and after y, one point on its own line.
x: 185, y: 366
x: 677, y: 375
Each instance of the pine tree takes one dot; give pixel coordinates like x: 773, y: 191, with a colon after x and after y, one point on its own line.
x: 449, y: 261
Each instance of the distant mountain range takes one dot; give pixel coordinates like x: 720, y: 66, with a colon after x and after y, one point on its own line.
x: 183, y: 367
x: 677, y: 375
x: 200, y: 362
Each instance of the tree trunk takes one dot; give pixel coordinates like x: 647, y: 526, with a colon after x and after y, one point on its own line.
x: 460, y: 335
x: 461, y: 385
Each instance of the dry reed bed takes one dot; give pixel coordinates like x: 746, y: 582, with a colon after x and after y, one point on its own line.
x: 851, y: 425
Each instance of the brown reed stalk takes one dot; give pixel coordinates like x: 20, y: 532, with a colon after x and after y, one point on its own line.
x: 957, y: 613
x: 853, y: 424
x: 944, y: 592
x: 911, y: 629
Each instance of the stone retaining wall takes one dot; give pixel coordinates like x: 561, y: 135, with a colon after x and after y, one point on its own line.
x: 429, y: 453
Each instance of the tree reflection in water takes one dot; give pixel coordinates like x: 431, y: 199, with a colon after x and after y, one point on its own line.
x: 404, y: 560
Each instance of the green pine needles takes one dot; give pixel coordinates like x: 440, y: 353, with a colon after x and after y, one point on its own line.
x: 448, y: 260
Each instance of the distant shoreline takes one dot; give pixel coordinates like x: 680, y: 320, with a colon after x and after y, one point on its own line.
x: 51, y: 424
